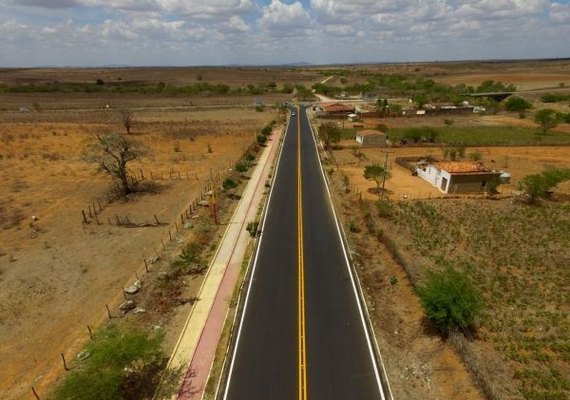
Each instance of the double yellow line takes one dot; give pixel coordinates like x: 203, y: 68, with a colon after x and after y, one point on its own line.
x: 301, y: 282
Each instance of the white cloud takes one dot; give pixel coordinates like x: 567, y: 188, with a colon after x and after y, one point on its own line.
x: 278, y: 16
x: 560, y: 13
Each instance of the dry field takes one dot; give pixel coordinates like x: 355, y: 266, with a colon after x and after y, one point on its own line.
x: 57, y: 273
x: 232, y: 76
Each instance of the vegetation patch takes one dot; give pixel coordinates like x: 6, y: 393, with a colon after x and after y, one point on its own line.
x: 516, y: 257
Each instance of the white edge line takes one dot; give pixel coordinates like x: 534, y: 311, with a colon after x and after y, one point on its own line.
x: 354, y: 287
x: 275, y: 174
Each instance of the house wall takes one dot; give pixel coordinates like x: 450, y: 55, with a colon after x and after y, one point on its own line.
x: 470, y: 183
x: 373, y: 141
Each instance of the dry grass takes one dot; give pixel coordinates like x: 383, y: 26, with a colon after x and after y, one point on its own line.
x: 57, y: 273
x: 517, y: 257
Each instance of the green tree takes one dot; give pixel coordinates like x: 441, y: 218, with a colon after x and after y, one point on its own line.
x: 517, y: 104
x: 541, y: 185
x: 449, y: 300
x: 547, y: 118
x: 330, y: 133
x: 420, y: 99
x: 241, y: 167
x: 112, y: 153
x: 376, y: 173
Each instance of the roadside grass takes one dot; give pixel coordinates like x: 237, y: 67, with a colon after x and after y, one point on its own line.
x: 517, y: 257
x: 490, y: 136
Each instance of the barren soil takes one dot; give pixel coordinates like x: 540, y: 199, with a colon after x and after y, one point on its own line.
x: 58, y: 273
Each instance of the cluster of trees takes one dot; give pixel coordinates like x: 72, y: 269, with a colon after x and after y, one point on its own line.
x: 203, y: 88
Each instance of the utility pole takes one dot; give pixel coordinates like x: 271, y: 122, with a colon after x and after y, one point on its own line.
x: 385, y: 171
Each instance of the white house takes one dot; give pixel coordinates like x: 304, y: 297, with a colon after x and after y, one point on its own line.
x: 457, y: 177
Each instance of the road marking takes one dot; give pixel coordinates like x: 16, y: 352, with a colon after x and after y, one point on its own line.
x: 254, y: 266
x: 363, y: 310
x: 301, y: 283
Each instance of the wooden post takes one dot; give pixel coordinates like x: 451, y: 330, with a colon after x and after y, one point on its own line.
x: 90, y: 214
x: 145, y: 265
x: 108, y: 312
x: 182, y: 219
x: 125, y: 294
x: 100, y: 207
x: 94, y: 209
x: 84, y: 216
x: 142, y: 175
x: 151, y: 176
x: 35, y: 394
x: 97, y: 219
x: 156, y: 219
x: 64, y: 363
x: 137, y: 276
x: 90, y: 332
x: 170, y: 173
x: 179, y: 178
x: 176, y: 225
x: 170, y: 235
x: 127, y: 218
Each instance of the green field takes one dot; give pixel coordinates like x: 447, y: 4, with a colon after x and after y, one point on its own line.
x: 489, y: 136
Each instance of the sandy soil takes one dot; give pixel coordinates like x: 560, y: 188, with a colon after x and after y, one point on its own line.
x: 57, y: 273
x: 522, y: 80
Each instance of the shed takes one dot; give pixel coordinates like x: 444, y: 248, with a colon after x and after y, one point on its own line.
x: 371, y: 138
x: 353, y: 117
x: 457, y: 177
x: 338, y: 109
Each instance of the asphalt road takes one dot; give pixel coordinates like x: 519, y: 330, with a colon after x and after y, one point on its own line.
x: 302, y: 334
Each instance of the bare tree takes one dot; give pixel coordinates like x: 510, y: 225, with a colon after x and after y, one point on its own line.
x: 112, y: 152
x: 127, y: 120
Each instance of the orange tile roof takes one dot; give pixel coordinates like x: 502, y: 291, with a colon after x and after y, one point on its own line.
x: 462, y: 167
x: 337, y: 107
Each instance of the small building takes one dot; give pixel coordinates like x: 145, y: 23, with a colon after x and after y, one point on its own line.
x: 457, y: 176
x: 353, y: 117
x: 371, y: 138
x: 338, y: 109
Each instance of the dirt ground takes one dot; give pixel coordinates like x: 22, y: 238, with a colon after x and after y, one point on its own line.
x: 518, y: 161
x: 58, y: 273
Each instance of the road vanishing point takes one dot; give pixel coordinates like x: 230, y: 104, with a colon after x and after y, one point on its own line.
x: 302, y: 334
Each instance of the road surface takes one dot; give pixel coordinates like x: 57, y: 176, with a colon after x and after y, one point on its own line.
x: 302, y: 333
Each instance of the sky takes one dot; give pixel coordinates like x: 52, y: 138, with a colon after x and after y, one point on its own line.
x: 270, y: 32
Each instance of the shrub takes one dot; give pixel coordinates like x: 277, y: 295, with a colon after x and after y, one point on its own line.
x: 385, y: 208
x: 241, y: 167
x: 261, y: 139
x: 517, y: 104
x: 449, y: 300
x: 252, y: 228
x: 266, y: 130
x: 118, y: 357
x: 229, y: 184
x: 541, y: 185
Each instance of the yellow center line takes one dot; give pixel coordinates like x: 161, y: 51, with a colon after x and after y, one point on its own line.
x: 301, y: 283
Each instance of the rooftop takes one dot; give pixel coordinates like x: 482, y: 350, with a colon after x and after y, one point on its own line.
x: 462, y: 167
x: 368, y: 132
